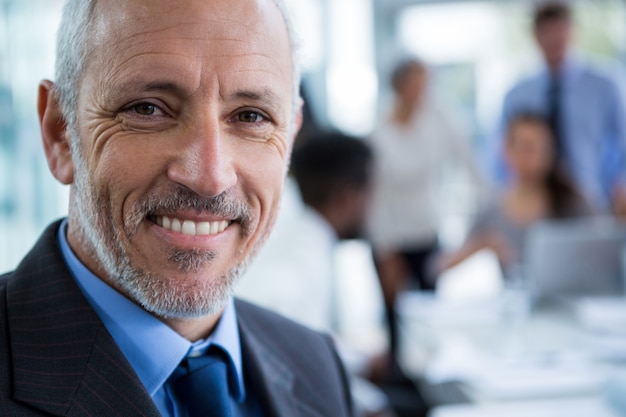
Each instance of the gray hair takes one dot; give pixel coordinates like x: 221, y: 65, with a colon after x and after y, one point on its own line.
x: 73, y: 49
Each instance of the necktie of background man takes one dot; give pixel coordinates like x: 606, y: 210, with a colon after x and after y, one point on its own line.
x: 555, y: 114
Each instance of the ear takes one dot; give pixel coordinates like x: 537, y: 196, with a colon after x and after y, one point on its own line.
x: 54, y: 134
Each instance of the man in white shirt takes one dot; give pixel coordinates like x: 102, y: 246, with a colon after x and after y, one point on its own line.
x: 332, y: 174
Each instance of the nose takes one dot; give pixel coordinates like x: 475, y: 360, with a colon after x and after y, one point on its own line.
x: 205, y: 160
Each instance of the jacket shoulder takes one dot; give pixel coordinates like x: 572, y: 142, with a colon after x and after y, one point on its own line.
x: 309, y: 356
x: 273, y: 329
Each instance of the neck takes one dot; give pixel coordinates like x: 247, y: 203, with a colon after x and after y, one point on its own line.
x: 526, y: 203
x: 194, y: 329
x: 555, y: 67
x: 403, y: 112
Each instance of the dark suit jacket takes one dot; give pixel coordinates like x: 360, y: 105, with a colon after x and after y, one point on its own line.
x: 57, y: 358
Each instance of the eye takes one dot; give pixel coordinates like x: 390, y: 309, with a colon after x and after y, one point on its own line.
x: 145, y: 109
x: 249, y: 116
x: 147, y: 114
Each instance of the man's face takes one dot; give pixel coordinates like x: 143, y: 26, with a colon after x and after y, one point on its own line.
x: 355, y: 204
x: 553, y: 38
x: 184, y: 120
x: 414, y: 85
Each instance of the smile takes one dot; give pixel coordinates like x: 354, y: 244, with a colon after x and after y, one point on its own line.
x: 191, y: 228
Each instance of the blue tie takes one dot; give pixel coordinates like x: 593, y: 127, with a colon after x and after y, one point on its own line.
x: 203, y: 386
x: 554, y: 114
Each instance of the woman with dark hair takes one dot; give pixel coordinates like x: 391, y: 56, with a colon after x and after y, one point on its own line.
x: 538, y: 190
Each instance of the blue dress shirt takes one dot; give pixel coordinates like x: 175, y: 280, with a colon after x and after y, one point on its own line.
x: 152, y: 348
x: 593, y: 125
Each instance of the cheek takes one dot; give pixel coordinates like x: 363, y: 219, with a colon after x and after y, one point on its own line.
x: 532, y: 161
x: 523, y: 165
x: 127, y: 172
x: 544, y: 164
x: 535, y: 166
x: 262, y: 173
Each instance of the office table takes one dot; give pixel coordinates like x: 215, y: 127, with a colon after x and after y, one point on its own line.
x: 509, y: 356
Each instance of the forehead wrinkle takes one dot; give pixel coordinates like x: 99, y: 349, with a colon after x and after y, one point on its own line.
x: 251, y: 53
x: 210, y: 27
x: 116, y: 72
x: 269, y: 72
x: 248, y: 27
x: 152, y: 53
x: 254, y: 70
x: 221, y: 28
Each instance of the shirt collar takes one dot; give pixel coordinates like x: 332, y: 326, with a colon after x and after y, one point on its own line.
x: 570, y: 68
x: 151, y: 347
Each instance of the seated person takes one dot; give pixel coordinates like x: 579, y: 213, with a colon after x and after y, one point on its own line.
x: 327, y: 203
x: 538, y: 190
x: 333, y: 175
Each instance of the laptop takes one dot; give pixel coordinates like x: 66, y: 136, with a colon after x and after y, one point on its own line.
x: 572, y: 258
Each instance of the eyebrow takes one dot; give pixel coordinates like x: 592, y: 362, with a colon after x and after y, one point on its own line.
x: 118, y: 91
x: 265, y: 97
x: 165, y: 86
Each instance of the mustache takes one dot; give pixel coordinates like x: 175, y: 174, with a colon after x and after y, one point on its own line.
x: 172, y: 199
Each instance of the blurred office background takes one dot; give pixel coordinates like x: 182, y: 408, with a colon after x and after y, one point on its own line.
x: 475, y: 50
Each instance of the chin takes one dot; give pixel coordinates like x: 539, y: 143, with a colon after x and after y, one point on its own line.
x: 180, y: 295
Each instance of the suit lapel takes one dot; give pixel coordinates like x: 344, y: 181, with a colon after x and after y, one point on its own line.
x: 64, y: 360
x: 276, y: 381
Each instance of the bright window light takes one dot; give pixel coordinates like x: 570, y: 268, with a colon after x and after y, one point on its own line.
x: 449, y: 32
x: 351, y: 75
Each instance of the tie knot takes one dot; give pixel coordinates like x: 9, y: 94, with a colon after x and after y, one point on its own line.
x: 212, y: 356
x: 202, y: 384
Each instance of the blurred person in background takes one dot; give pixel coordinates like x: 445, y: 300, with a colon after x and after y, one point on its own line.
x: 584, y: 106
x: 333, y: 175
x: 539, y: 189
x: 412, y: 145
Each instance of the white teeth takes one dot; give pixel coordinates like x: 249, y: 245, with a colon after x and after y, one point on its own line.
x: 191, y: 228
x: 176, y: 226
x: 203, y: 228
x: 188, y: 228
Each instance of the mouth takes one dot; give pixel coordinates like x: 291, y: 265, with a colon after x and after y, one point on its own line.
x: 190, y: 227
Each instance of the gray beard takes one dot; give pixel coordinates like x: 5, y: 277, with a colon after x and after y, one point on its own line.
x: 158, y: 294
